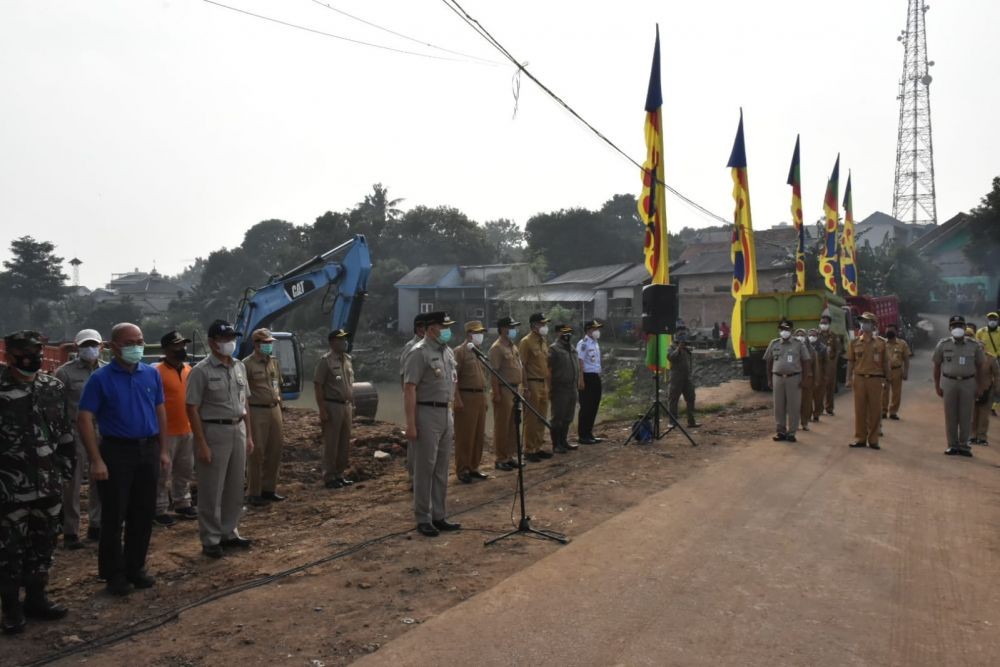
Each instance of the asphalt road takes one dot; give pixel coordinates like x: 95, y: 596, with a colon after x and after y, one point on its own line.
x: 780, y: 554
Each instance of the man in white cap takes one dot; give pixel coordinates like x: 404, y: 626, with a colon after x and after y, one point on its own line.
x: 74, y: 375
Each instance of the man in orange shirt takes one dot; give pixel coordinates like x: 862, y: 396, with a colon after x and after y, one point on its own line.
x: 175, y: 481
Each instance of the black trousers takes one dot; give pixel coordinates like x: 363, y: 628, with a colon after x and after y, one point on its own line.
x: 128, y: 499
x: 590, y: 400
x: 677, y: 389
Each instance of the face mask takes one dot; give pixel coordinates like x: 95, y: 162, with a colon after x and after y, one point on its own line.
x: 543, y: 331
x: 566, y: 337
x: 180, y: 356
x: 957, y: 333
x: 992, y: 324
x: 812, y: 339
x: 266, y: 348
x: 801, y: 339
x: 90, y: 353
x: 477, y: 339
x: 824, y: 327
x: 226, y: 349
x: 512, y: 333
x: 444, y: 336
x: 866, y: 327
x: 596, y: 334
x: 785, y: 335
x: 340, y: 346
x: 132, y: 354
x: 28, y: 364
x: 890, y: 334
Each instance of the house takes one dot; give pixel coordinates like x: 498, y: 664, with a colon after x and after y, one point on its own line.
x: 575, y: 290
x: 969, y: 291
x: 152, y: 292
x: 880, y: 229
x: 466, y: 292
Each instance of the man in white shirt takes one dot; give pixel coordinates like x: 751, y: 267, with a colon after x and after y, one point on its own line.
x: 589, y: 354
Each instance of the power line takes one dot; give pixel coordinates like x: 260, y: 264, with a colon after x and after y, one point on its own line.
x: 399, y: 34
x: 329, y: 34
x: 473, y: 23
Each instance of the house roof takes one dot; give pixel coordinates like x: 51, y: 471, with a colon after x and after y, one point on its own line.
x: 775, y: 248
x: 941, y: 233
x: 880, y: 218
x: 427, y: 275
x: 552, y: 294
x: 591, y: 275
x: 493, y: 275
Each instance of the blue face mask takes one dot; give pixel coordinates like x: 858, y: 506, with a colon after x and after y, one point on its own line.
x: 512, y: 333
x: 266, y: 348
x: 132, y: 354
x: 444, y: 336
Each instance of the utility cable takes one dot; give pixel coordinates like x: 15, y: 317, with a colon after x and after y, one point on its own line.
x: 399, y: 34
x: 478, y: 27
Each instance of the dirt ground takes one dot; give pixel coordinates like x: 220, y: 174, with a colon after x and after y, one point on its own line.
x: 335, y: 574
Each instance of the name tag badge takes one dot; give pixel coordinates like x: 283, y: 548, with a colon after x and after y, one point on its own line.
x: 791, y: 359
x: 961, y: 361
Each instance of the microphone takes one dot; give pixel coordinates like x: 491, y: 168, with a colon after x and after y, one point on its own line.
x: 479, y: 353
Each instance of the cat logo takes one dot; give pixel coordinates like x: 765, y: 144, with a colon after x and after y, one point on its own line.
x: 296, y: 289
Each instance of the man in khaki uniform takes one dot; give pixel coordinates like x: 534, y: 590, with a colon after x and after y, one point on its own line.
x: 899, y: 371
x: 428, y: 389
x: 264, y: 377
x: 981, y: 411
x: 959, y: 379
x: 867, y: 370
x: 334, y: 386
x: 534, y: 351
x: 504, y: 357
x: 219, y: 415
x: 832, y: 344
x: 787, y: 368
x: 470, y: 405
x: 74, y: 374
x: 564, y: 367
x: 418, y: 335
x: 989, y: 336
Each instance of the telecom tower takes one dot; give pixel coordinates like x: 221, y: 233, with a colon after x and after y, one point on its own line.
x: 913, y: 198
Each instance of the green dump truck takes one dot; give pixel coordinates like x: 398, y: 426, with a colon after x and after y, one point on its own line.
x: 763, y: 312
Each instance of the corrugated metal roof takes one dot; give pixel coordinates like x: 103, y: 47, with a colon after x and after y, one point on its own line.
x: 591, y: 275
x: 554, y: 294
x: 634, y: 275
x: 428, y: 275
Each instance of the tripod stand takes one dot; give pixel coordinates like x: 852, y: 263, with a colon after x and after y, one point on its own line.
x: 657, y: 408
x: 524, y: 525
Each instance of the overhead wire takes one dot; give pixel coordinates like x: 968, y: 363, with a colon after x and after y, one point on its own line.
x: 478, y: 27
x: 335, y: 36
x: 401, y: 35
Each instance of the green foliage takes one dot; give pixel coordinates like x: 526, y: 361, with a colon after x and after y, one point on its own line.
x: 621, y: 402
x: 505, y: 240
x: 900, y: 270
x: 984, y: 249
x: 33, y: 275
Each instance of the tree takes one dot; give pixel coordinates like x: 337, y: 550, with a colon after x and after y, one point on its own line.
x: 328, y: 231
x: 984, y: 250
x: 376, y: 216
x: 274, y: 245
x: 440, y: 235
x: 577, y: 238
x: 33, y: 274
x: 505, y: 240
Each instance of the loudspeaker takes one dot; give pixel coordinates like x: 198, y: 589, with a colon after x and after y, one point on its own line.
x: 659, y: 309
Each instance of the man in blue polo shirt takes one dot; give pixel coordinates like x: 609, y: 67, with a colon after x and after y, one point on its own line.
x: 126, y: 400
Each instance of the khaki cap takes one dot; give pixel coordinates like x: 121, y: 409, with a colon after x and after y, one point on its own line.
x: 262, y: 336
x: 474, y: 326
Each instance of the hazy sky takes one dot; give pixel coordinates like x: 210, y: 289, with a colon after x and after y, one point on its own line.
x: 134, y: 131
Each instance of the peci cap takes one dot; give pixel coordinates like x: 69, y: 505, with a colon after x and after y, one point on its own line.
x: 956, y: 320
x: 86, y: 336
x: 23, y: 338
x: 563, y: 329
x: 474, y: 326
x: 262, y: 336
x: 785, y: 324
x: 221, y: 329
x: 592, y: 324
x: 538, y: 318
x: 507, y: 322
x: 438, y: 317
x: 173, y: 338
x: 337, y: 333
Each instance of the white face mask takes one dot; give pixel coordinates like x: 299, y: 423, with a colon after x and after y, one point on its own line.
x: 812, y: 339
x: 226, y: 349
x: 824, y: 327
x: 801, y: 339
x: 90, y: 353
x: 992, y: 324
x: 543, y: 331
x: 958, y: 333
x: 595, y: 334
x: 867, y: 327
x: 786, y: 334
x: 477, y: 339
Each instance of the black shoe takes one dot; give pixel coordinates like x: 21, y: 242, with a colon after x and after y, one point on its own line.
x: 967, y: 453
x: 596, y: 439
x: 444, y: 525
x: 778, y: 437
x: 544, y: 454
x: 984, y: 443
x: 885, y: 415
x: 790, y: 438
x: 534, y: 457
x: 212, y: 550
x: 142, y: 580
x: 829, y: 412
x: 94, y: 533
x: 236, y: 543
x: 587, y: 441
x: 503, y: 465
x: 559, y: 449
x: 273, y: 496
x: 465, y: 478
x: 72, y: 542
x: 951, y: 451
x: 858, y: 444
x: 803, y: 427
x: 694, y: 425
x: 119, y: 585
x: 515, y: 465
x: 164, y: 520
x: 186, y: 513
x: 816, y: 418
x: 475, y: 474
x: 12, y: 621
x: 256, y: 501
x: 37, y: 603
x: 874, y: 445
x: 346, y: 482
x: 333, y: 484
x: 894, y: 417
x: 427, y: 530
x: 571, y: 445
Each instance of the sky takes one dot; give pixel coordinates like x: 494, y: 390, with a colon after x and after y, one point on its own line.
x: 136, y: 133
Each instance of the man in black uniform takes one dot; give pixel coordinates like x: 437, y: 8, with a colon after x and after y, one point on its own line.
x: 681, y: 382
x: 37, y: 455
x: 564, y: 369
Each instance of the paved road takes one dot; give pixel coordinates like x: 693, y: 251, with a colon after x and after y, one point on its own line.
x: 806, y: 554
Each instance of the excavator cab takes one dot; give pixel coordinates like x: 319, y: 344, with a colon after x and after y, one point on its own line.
x: 288, y: 352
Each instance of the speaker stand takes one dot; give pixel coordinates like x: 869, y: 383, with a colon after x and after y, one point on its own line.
x: 658, y: 408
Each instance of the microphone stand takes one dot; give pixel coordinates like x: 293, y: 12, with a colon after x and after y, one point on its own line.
x: 524, y: 525
x: 657, y: 408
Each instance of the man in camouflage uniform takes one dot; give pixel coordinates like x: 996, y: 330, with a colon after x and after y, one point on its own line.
x: 37, y: 455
